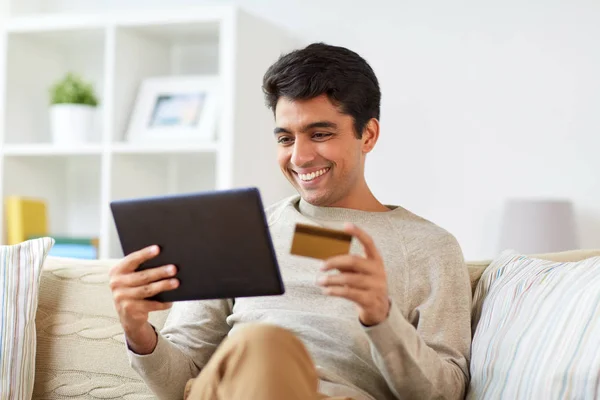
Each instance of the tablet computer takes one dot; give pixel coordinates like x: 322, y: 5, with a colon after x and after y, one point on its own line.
x: 219, y: 241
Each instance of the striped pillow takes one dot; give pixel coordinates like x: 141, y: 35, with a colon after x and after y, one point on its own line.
x: 20, y: 271
x: 536, y: 330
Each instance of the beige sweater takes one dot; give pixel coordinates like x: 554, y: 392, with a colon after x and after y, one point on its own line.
x: 420, y: 352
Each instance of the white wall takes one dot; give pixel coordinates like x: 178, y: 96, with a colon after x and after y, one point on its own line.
x: 480, y: 101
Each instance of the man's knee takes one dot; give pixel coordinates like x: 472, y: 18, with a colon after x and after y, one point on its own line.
x: 260, y: 359
x: 268, y: 347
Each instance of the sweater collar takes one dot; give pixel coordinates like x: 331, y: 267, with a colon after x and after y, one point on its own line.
x: 339, y: 213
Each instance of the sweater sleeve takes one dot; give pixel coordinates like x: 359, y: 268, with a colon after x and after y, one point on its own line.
x: 191, y: 334
x: 426, y: 355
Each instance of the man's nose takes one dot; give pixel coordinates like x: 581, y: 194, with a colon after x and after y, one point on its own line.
x: 302, y: 153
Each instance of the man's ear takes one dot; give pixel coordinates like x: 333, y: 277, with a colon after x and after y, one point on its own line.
x: 370, y: 135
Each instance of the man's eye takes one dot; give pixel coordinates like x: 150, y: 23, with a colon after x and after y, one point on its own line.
x: 284, y: 140
x: 321, y: 135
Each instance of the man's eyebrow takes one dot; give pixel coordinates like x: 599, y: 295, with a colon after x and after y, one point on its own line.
x: 312, y: 125
x: 320, y: 124
x: 279, y: 130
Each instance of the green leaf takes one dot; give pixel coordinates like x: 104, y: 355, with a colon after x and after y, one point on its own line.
x: 72, y: 89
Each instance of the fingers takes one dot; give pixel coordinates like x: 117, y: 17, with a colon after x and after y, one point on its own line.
x: 147, y: 276
x: 145, y: 291
x: 353, y: 280
x: 360, y: 297
x: 140, y: 278
x: 133, y: 260
x: 349, y: 263
x: 365, y: 239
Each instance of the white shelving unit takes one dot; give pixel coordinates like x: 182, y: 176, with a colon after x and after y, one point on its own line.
x: 117, y: 51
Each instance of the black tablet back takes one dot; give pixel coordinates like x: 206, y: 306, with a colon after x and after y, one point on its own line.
x: 218, y: 240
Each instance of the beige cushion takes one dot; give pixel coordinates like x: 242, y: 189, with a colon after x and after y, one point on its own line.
x: 476, y: 268
x: 81, y: 351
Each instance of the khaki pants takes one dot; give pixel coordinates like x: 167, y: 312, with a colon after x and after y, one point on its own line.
x: 259, y: 362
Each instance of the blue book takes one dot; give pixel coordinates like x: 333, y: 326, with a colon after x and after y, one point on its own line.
x: 83, y: 251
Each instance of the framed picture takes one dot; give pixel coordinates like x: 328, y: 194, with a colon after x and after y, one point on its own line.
x: 175, y: 109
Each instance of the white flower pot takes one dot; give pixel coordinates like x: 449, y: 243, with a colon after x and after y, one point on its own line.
x: 71, y: 123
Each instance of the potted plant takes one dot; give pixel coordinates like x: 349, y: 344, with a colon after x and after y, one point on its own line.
x: 73, y: 104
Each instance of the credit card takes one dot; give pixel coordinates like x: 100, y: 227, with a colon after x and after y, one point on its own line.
x: 318, y: 242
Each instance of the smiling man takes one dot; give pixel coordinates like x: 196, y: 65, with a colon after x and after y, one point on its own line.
x: 390, y: 320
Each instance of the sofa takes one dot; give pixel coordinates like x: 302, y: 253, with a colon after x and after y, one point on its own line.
x: 80, y: 346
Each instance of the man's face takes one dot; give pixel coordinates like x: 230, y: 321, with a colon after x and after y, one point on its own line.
x: 318, y: 150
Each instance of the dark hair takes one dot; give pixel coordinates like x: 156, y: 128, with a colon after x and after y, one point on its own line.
x: 344, y: 76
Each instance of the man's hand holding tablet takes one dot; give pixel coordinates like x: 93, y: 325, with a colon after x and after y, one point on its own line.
x: 131, y: 288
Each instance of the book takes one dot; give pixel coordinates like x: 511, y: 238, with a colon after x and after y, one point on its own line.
x: 25, y: 217
x: 79, y: 240
x: 86, y: 251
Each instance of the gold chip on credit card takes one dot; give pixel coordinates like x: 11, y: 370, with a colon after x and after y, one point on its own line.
x: 318, y: 242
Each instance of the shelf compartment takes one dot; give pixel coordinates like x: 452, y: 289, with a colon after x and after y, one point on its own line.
x: 159, y: 50
x: 70, y: 185
x: 36, y: 60
x: 140, y: 175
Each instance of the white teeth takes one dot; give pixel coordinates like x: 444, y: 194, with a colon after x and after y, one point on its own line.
x: 313, y: 175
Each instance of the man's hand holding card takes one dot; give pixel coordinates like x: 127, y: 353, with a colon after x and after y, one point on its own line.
x: 361, y: 279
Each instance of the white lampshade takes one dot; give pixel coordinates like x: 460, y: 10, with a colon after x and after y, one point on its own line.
x: 538, y: 226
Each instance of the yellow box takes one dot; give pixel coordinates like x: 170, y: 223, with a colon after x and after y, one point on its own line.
x: 25, y: 217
